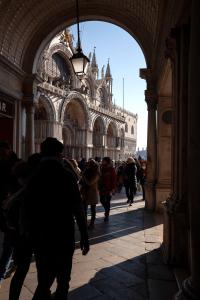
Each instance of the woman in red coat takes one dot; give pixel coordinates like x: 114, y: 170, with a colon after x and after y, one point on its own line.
x: 107, y: 185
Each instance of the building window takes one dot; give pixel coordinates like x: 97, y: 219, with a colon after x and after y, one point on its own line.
x: 126, y: 127
x: 132, y: 129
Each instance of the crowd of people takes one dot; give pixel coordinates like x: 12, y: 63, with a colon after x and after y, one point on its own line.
x: 40, y: 201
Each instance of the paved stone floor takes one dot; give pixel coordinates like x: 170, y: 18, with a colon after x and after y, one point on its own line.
x: 124, y: 262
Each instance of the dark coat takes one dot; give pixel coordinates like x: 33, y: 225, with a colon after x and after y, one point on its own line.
x: 129, y: 175
x: 52, y: 202
x: 107, y: 182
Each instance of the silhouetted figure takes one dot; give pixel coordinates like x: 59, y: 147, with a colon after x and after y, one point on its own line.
x: 53, y: 201
x: 82, y: 164
x: 23, y: 249
x: 89, y: 188
x: 130, y: 179
x: 120, y: 172
x: 107, y: 185
x: 7, y: 161
x: 142, y: 176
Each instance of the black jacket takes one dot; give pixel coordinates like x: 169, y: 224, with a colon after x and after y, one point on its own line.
x: 53, y: 200
x: 129, y: 175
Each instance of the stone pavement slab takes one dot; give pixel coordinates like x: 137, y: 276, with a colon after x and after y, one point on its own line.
x: 125, y: 260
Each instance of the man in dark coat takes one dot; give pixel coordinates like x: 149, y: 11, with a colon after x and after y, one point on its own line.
x: 53, y: 201
x: 130, y: 179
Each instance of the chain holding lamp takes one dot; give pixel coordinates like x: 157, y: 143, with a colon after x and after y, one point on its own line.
x: 79, y: 60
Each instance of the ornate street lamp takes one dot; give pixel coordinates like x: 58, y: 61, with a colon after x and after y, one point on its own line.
x: 79, y: 60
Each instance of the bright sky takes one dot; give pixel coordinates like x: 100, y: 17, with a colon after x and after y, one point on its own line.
x: 126, y: 58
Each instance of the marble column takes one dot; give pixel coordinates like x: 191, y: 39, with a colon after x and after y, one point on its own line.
x: 191, y: 286
x: 30, y: 136
x: 150, y: 194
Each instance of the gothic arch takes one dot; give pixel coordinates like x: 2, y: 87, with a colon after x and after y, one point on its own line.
x: 99, y: 118
x: 113, y: 126
x: 72, y: 97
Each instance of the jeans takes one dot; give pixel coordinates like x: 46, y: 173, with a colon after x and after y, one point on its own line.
x: 51, y: 266
x: 93, y: 211
x: 8, y: 246
x: 130, y: 192
x: 23, y: 256
x: 105, y: 201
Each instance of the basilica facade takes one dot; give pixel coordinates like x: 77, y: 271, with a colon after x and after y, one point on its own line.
x: 81, y: 113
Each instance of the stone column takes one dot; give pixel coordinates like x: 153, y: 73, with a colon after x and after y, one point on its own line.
x: 191, y: 286
x: 163, y: 186
x: 175, y: 243
x: 30, y: 136
x: 150, y: 195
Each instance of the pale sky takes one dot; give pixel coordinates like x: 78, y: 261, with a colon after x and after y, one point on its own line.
x: 126, y: 58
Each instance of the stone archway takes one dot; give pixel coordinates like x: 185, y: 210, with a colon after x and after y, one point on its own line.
x: 50, y: 18
x: 112, y: 141
x: 23, y: 47
x: 44, y: 119
x: 75, y: 124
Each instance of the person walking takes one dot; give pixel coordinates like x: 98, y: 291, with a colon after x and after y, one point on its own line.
x: 8, y: 159
x: 130, y: 180
x: 107, y: 185
x: 53, y: 202
x: 89, y: 189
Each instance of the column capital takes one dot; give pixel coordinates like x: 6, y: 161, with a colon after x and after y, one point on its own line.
x: 145, y: 73
x: 29, y: 106
x: 151, y: 99
x: 149, y: 76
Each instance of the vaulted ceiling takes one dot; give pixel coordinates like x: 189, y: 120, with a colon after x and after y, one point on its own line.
x: 24, y: 25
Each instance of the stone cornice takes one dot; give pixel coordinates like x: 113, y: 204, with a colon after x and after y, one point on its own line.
x: 129, y: 139
x: 11, y: 67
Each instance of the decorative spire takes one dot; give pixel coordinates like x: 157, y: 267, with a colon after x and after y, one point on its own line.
x: 89, y: 56
x: 108, y: 73
x: 94, y: 66
x: 94, y: 61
